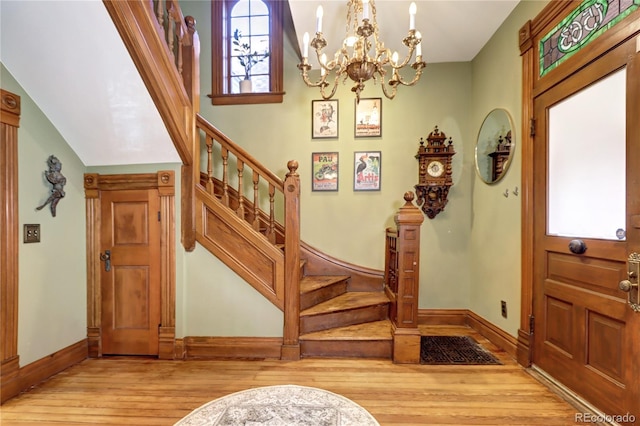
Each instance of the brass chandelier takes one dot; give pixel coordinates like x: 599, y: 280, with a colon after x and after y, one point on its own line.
x: 356, y: 60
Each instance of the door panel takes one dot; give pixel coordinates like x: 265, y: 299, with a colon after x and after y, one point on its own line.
x: 585, y: 333
x: 130, y: 288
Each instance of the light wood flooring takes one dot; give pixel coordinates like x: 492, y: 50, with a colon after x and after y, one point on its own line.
x: 135, y: 391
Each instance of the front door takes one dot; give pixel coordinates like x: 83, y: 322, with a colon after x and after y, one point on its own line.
x: 587, y: 232
x: 130, y: 271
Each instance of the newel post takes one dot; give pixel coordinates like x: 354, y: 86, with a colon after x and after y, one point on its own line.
x: 406, y: 335
x: 291, y: 332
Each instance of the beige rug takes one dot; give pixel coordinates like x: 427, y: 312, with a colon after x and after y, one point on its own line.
x: 286, y: 405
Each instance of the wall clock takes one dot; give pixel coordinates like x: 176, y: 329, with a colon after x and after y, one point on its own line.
x: 434, y: 172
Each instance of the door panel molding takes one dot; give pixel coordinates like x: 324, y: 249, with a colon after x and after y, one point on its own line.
x: 164, y: 182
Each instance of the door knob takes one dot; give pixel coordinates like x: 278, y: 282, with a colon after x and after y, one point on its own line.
x: 626, y: 285
x: 106, y: 258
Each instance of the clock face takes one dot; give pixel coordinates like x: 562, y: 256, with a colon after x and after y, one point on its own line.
x: 435, y: 169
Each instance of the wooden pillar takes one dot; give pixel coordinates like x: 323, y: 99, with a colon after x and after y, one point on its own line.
x: 406, y: 336
x: 9, y: 230
x: 291, y: 333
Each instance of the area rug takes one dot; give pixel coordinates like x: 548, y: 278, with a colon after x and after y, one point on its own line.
x: 453, y: 350
x: 287, y: 405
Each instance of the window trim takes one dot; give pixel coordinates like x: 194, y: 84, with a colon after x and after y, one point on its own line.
x: 219, y: 24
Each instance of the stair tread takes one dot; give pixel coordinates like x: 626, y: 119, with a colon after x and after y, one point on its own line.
x: 377, y: 330
x: 347, y: 301
x: 313, y: 282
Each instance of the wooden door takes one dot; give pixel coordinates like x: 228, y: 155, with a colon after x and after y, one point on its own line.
x: 130, y: 271
x: 586, y: 334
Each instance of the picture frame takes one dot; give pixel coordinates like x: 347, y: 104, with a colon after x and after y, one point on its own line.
x: 368, y: 118
x: 324, y: 119
x: 324, y: 171
x: 367, y: 168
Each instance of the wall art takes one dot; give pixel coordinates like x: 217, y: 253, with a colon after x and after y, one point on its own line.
x: 324, y: 119
x: 324, y: 166
x: 368, y: 119
x: 366, y: 171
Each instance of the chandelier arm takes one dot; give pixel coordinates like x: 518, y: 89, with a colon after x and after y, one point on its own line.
x: 394, y: 89
x: 418, y: 66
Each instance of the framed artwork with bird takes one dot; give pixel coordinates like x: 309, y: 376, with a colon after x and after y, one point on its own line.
x: 366, y: 170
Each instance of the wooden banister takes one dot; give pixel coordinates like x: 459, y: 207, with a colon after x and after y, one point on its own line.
x: 402, y: 280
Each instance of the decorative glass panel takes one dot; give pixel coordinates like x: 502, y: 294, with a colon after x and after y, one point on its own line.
x: 586, y: 181
x: 583, y: 25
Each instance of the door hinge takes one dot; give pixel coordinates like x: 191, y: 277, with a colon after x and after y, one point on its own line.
x: 532, y: 127
x: 531, y: 324
x: 158, y: 216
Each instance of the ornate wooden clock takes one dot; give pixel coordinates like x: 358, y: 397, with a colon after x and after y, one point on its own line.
x: 434, y: 173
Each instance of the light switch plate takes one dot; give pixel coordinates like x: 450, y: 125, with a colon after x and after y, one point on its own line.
x: 32, y: 233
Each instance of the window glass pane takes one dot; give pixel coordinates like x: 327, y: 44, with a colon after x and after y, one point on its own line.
x: 587, y: 139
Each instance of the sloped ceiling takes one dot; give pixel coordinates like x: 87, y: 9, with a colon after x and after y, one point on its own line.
x: 69, y: 58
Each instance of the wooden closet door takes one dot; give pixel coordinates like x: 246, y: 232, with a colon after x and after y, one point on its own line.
x: 130, y: 277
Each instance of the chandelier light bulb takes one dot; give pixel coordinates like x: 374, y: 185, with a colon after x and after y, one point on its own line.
x: 412, y: 16
x: 305, y: 42
x: 319, y: 13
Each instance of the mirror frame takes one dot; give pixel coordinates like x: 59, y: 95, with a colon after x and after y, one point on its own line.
x: 491, y: 129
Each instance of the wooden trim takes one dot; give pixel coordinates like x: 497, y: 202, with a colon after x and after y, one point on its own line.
x: 10, y: 110
x: 442, y: 316
x: 490, y: 331
x: 493, y: 333
x: 232, y: 347
x: 42, y: 369
x: 164, y: 182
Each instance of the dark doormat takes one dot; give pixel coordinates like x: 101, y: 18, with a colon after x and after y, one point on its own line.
x: 453, y: 350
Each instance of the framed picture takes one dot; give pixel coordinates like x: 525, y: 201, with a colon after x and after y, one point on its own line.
x: 324, y: 166
x: 324, y: 119
x: 368, y: 118
x: 366, y: 170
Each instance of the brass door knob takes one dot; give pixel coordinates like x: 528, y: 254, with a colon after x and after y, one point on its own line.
x: 626, y: 285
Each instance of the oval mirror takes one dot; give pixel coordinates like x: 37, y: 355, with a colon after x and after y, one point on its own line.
x: 495, y: 146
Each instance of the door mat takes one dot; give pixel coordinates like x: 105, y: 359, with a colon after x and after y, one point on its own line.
x: 454, y: 350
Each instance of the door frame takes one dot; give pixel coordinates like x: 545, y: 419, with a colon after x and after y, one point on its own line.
x: 164, y: 182
x: 532, y: 85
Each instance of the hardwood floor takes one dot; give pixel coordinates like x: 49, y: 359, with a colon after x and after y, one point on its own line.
x: 139, y: 391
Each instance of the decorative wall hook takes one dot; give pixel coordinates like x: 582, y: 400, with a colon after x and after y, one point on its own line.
x: 58, y: 181
x: 506, y: 193
x: 515, y: 191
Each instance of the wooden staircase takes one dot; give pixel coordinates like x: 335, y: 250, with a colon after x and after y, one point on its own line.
x: 250, y: 218
x: 336, y: 322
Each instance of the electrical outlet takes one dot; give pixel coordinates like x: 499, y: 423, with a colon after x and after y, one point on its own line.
x: 31, y: 233
x: 503, y: 308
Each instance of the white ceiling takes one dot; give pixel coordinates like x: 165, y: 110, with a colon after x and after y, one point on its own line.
x: 452, y: 30
x: 69, y: 58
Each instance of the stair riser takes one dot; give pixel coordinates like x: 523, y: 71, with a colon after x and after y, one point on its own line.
x: 345, y: 348
x: 320, y: 295
x: 326, y: 321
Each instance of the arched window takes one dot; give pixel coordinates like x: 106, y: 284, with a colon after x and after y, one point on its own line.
x: 246, y: 45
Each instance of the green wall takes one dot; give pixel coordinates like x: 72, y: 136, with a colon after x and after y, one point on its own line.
x: 469, y: 253
x: 496, y: 222
x: 52, y: 274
